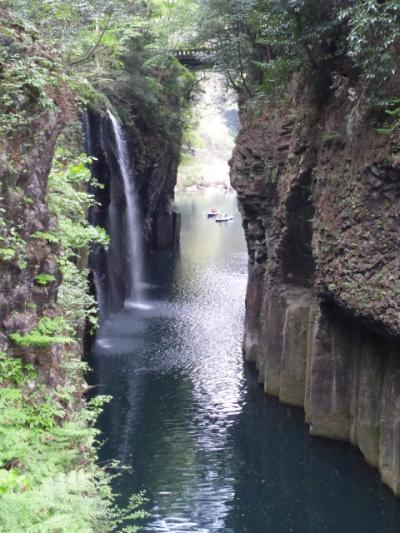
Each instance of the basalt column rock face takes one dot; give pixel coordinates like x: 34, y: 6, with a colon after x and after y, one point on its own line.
x: 319, y: 193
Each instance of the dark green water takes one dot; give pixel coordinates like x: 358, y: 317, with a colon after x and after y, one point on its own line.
x: 212, y: 452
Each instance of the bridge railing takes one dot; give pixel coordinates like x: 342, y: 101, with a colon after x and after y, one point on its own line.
x: 181, y: 52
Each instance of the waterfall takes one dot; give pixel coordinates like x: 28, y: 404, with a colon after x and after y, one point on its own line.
x: 99, y: 294
x: 87, y: 133
x: 133, y: 238
x: 117, y: 270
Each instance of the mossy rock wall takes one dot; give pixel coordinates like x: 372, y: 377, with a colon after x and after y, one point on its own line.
x: 34, y: 108
x: 319, y: 192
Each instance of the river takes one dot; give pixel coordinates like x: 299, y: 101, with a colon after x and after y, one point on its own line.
x: 211, y: 451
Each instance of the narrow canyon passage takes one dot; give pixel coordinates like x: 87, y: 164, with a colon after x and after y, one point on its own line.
x: 210, y: 450
x: 199, y: 266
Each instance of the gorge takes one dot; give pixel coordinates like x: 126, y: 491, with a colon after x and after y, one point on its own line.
x: 121, y: 301
x: 174, y: 375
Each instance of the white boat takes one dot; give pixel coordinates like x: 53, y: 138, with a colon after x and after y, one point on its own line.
x: 212, y: 213
x: 224, y: 218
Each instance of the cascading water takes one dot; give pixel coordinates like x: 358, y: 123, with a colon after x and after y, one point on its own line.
x: 132, y: 225
x: 87, y: 133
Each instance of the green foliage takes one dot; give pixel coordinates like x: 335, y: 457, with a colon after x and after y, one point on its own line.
x: 171, y: 85
x: 13, y: 246
x: 259, y: 44
x: 46, y: 235
x: 81, y: 31
x: 49, y: 331
x: 87, y: 94
x: 105, y: 47
x: 222, y: 26
x: 39, y: 340
x: 79, y: 307
x: 69, y: 202
x: 93, y: 38
x: 173, y: 24
x: 14, y: 371
x: 26, y: 84
x: 7, y: 254
x: 48, y: 478
x: 44, y: 279
x: 392, y: 111
x: 373, y: 39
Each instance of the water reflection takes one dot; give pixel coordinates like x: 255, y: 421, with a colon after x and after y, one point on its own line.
x: 213, y: 453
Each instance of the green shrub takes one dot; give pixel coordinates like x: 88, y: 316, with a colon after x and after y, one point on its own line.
x: 49, y: 331
x: 49, y: 480
x: 38, y: 340
x: 44, y: 279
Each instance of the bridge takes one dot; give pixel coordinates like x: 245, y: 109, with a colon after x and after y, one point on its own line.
x: 194, y: 57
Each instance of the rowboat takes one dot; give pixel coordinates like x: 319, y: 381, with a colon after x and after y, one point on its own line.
x: 224, y: 218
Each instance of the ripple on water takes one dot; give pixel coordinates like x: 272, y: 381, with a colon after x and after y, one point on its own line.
x: 211, y: 451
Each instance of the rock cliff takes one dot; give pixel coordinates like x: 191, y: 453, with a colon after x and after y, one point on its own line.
x: 319, y: 191
x: 31, y: 118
